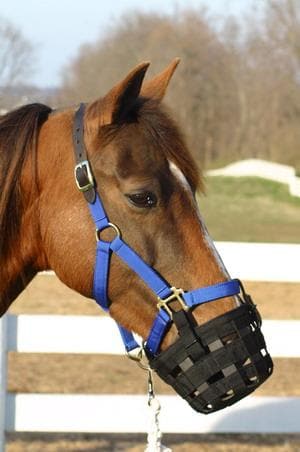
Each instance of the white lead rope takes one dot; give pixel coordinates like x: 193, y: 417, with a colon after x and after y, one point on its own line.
x: 154, y: 433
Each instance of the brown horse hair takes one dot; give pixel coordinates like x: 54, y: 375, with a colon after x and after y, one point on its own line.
x: 18, y: 138
x: 163, y: 128
x: 158, y: 124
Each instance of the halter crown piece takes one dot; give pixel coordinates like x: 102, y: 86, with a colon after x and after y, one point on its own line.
x: 212, y: 365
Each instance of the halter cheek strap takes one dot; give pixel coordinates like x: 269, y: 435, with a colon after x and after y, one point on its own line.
x: 151, y: 278
x: 164, y: 292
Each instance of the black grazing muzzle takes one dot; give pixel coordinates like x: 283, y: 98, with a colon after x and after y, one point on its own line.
x: 214, y: 365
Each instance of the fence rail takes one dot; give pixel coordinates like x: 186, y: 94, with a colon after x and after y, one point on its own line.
x: 34, y: 334
x: 116, y: 413
x: 128, y: 414
x: 120, y: 413
x: 277, y: 262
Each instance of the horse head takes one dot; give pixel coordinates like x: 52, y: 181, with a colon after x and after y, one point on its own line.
x: 147, y: 179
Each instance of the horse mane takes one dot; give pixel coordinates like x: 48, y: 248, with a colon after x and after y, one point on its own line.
x: 18, y: 138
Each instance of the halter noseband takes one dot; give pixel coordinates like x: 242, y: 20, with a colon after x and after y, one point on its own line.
x: 203, y: 365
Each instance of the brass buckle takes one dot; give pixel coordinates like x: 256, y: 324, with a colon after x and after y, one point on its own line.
x: 175, y: 296
x: 85, y: 166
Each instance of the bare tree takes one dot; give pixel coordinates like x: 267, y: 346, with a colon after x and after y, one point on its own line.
x: 237, y: 90
x: 16, y: 55
x: 283, y: 26
x: 202, y: 91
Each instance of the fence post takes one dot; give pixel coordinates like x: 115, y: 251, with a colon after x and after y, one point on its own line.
x: 3, y: 373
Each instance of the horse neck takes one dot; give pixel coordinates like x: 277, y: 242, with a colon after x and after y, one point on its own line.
x: 27, y: 250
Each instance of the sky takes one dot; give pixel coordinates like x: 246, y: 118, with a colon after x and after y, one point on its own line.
x: 57, y: 28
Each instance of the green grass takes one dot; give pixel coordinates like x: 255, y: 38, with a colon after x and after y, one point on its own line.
x: 250, y: 209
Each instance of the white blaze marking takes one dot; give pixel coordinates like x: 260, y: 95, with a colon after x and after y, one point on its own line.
x: 179, y: 176
x: 208, y: 240
x: 214, y: 251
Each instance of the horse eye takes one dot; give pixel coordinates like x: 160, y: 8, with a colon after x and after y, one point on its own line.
x: 143, y: 199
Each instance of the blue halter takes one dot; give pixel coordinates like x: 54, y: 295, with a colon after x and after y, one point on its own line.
x: 164, y: 292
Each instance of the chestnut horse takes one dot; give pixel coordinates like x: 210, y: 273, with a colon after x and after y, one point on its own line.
x: 147, y: 180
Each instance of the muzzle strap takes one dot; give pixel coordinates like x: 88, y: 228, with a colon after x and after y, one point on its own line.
x: 210, y: 293
x: 158, y: 331
x: 193, y: 298
x: 150, y: 277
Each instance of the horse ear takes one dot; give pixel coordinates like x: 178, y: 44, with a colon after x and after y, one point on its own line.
x: 120, y: 99
x: 157, y: 86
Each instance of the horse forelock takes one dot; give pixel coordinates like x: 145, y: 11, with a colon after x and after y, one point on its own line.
x: 159, y: 129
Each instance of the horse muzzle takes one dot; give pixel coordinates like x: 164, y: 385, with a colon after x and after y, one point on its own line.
x: 214, y: 365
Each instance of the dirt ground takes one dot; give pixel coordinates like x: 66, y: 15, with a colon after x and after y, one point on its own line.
x: 137, y: 443
x: 103, y: 374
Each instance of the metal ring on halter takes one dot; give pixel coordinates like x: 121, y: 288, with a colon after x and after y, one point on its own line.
x: 109, y: 225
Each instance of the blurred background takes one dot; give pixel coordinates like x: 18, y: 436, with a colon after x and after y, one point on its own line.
x: 237, y: 89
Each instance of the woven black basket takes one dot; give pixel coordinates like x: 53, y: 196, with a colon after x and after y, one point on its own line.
x: 214, y: 365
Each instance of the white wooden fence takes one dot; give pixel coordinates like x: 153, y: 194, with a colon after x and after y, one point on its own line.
x: 116, y: 413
